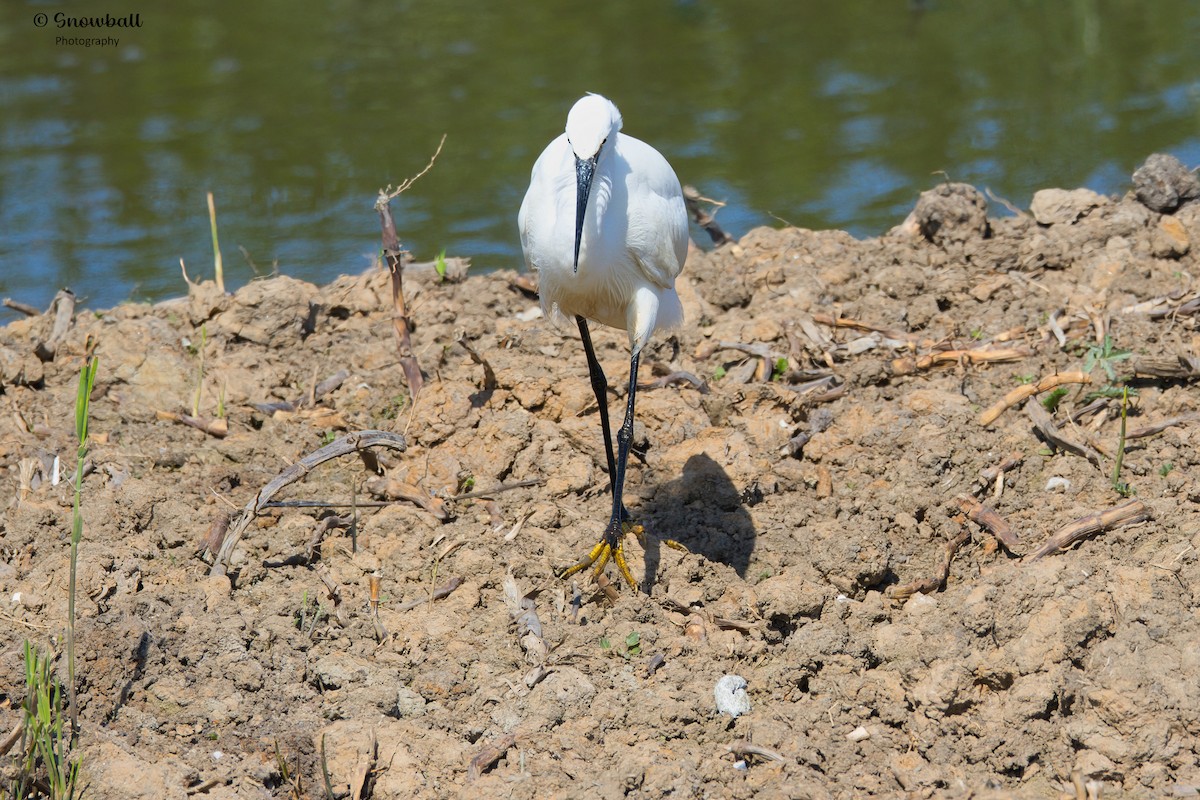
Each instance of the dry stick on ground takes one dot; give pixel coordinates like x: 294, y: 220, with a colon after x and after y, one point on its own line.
x: 23, y: 308
x: 334, y: 589
x: 1127, y: 513
x: 444, y: 590
x: 1050, y: 432
x: 978, y: 355
x: 927, y: 585
x: 994, y: 476
x: 489, y: 375
x: 394, y: 257
x: 1159, y: 427
x: 1186, y: 367
x: 845, y: 322
x: 1021, y: 393
x: 692, y: 199
x: 488, y: 756
x: 347, y: 444
x: 677, y: 377
x: 990, y: 520
x: 744, y: 748
x: 395, y: 489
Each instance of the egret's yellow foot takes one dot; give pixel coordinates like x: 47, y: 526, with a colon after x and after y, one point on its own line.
x: 607, y: 550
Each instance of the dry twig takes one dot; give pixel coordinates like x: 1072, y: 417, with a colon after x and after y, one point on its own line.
x: 991, y: 521
x: 394, y: 257
x: 343, y: 446
x: 978, y: 355
x: 927, y: 585
x: 1022, y: 393
x: 1127, y: 513
x: 1050, y: 432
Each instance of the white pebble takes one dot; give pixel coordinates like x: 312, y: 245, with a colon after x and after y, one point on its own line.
x: 1057, y: 482
x: 731, y: 696
x: 858, y: 734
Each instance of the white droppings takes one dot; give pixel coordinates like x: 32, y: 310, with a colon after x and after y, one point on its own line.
x: 731, y: 697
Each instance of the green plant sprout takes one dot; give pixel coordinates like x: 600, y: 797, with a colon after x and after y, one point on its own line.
x: 1105, y: 355
x: 1122, y: 488
x: 87, y: 379
x: 43, y: 744
x: 1050, y: 402
x: 779, y: 369
x: 439, y: 266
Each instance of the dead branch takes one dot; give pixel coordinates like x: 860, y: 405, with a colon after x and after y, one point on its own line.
x: 928, y: 585
x: 489, y: 375
x: 692, y: 199
x: 488, y: 756
x: 1185, y: 367
x: 845, y: 322
x: 323, y: 527
x: 1010, y: 462
x: 23, y: 308
x: 437, y: 594
x: 1050, y: 432
x: 1127, y: 513
x: 979, y: 355
x: 12, y: 738
x: 334, y: 590
x: 677, y: 377
x: 744, y: 748
x: 1159, y: 427
x: 1021, y: 393
x: 394, y: 258
x: 990, y: 520
x: 394, y: 489
x: 347, y: 444
x: 495, y: 490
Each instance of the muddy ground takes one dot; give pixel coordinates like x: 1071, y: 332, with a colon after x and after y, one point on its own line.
x: 831, y: 456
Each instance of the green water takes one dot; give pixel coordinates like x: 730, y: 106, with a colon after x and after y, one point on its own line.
x: 294, y: 113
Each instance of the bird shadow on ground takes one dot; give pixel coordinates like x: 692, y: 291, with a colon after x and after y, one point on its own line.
x: 702, y: 510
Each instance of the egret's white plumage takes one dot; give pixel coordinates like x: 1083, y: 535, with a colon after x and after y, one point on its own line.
x: 605, y: 226
x: 635, y: 230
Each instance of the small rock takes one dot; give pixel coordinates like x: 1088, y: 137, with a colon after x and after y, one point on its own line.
x: 951, y: 212
x: 731, y: 696
x: 1059, y: 206
x: 1163, y: 183
x: 408, y: 703
x: 858, y: 734
x: 1170, y: 239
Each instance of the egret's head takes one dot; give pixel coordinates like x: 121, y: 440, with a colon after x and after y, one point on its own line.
x: 593, y: 121
x: 592, y: 124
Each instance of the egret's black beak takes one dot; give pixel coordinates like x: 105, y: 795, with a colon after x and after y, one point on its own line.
x: 585, y: 168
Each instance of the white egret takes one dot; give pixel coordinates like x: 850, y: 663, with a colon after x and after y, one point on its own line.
x: 605, y: 226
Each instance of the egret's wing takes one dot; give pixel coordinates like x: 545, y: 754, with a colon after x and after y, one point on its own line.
x: 658, y: 225
x: 535, y: 220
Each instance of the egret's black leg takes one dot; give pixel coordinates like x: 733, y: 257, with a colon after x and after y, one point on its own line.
x: 610, y: 545
x: 600, y: 389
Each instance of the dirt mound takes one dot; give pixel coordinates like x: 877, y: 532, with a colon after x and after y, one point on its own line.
x: 890, y: 463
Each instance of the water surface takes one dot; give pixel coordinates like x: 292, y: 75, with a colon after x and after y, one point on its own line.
x: 294, y: 113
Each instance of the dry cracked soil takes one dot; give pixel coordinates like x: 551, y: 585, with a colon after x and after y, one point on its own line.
x: 890, y: 463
